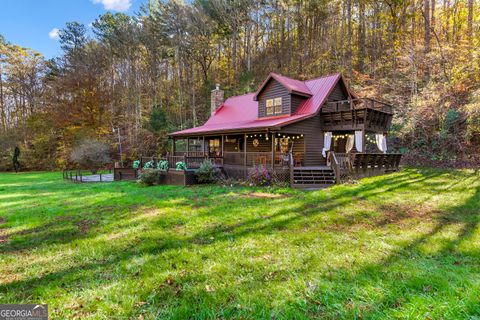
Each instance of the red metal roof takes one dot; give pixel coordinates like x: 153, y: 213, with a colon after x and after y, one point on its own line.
x: 241, y: 112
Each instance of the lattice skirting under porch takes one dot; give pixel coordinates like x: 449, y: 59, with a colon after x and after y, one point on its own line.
x: 241, y: 173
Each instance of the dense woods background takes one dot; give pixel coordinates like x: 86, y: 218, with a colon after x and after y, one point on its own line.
x: 152, y: 73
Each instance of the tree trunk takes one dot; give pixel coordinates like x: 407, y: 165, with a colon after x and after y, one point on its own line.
x: 361, y: 36
x: 426, y: 18
x: 446, y: 9
x: 249, y: 46
x: 194, y: 107
x: 234, y: 49
x: 432, y: 18
x: 349, y: 36
x: 470, y: 22
x: 2, y: 104
x: 414, y: 23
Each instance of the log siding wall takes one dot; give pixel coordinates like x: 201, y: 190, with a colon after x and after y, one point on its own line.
x: 313, y: 137
x: 338, y: 93
x: 273, y: 90
x: 295, y: 102
x: 233, y: 146
x: 263, y: 144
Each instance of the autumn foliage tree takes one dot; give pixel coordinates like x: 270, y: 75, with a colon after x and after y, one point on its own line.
x: 152, y: 72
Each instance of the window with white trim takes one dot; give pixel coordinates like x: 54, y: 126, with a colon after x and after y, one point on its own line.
x: 269, y: 105
x: 278, y: 105
x: 273, y: 106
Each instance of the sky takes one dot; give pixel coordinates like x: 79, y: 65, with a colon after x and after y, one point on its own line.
x: 35, y: 23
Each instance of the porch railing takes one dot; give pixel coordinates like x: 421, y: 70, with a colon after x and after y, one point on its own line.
x: 192, y: 161
x: 346, y: 164
x: 356, y: 104
x: 343, y: 160
x: 238, y: 158
x: 371, y: 161
x: 259, y: 158
x: 234, y: 158
x: 172, y: 160
x: 356, y: 162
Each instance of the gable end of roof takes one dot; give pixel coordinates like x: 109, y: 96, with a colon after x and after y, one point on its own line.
x: 292, y: 85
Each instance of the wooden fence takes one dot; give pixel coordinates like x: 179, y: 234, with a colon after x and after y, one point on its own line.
x: 81, y: 175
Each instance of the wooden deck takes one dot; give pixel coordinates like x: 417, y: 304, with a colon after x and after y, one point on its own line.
x: 120, y: 174
x: 357, y: 114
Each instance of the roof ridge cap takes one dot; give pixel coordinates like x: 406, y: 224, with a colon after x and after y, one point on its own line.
x: 327, y: 76
x: 282, y: 75
x: 240, y: 95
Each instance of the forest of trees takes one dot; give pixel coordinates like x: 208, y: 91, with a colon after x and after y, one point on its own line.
x: 152, y: 73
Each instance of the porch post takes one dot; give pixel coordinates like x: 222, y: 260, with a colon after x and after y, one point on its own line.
x: 188, y: 146
x: 222, y: 147
x: 273, y: 150
x: 363, y: 138
x: 223, y: 141
x: 245, y: 150
x: 203, y: 146
x: 173, y: 146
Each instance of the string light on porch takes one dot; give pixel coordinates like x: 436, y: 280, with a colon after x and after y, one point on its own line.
x: 281, y: 136
x: 340, y: 136
x: 345, y: 136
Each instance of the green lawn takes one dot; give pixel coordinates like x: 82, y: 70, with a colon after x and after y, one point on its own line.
x: 404, y: 245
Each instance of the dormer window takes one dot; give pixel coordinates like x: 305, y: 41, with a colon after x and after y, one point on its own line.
x: 273, y: 106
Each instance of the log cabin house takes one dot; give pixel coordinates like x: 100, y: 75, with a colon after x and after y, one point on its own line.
x: 311, y: 133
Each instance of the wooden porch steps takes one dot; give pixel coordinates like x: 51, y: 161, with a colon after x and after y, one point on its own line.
x: 313, y: 177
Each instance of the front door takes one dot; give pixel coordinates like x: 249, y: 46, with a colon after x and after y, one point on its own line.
x: 214, y: 148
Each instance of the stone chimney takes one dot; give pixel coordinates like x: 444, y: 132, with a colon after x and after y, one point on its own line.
x: 217, y: 98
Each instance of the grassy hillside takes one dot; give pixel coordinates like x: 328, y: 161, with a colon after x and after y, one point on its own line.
x: 405, y: 245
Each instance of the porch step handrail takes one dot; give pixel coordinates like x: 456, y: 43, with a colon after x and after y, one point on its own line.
x: 334, y: 164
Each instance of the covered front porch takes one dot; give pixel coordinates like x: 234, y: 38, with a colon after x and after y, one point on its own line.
x: 270, y: 149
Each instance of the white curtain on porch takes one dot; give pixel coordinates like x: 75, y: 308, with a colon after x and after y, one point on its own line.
x: 381, y: 142
x: 359, y: 140
x: 349, y: 144
x: 327, y: 142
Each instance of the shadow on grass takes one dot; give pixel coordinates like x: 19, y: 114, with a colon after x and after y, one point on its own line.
x: 70, y: 226
x: 300, y: 207
x: 67, y: 225
x: 434, y: 274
